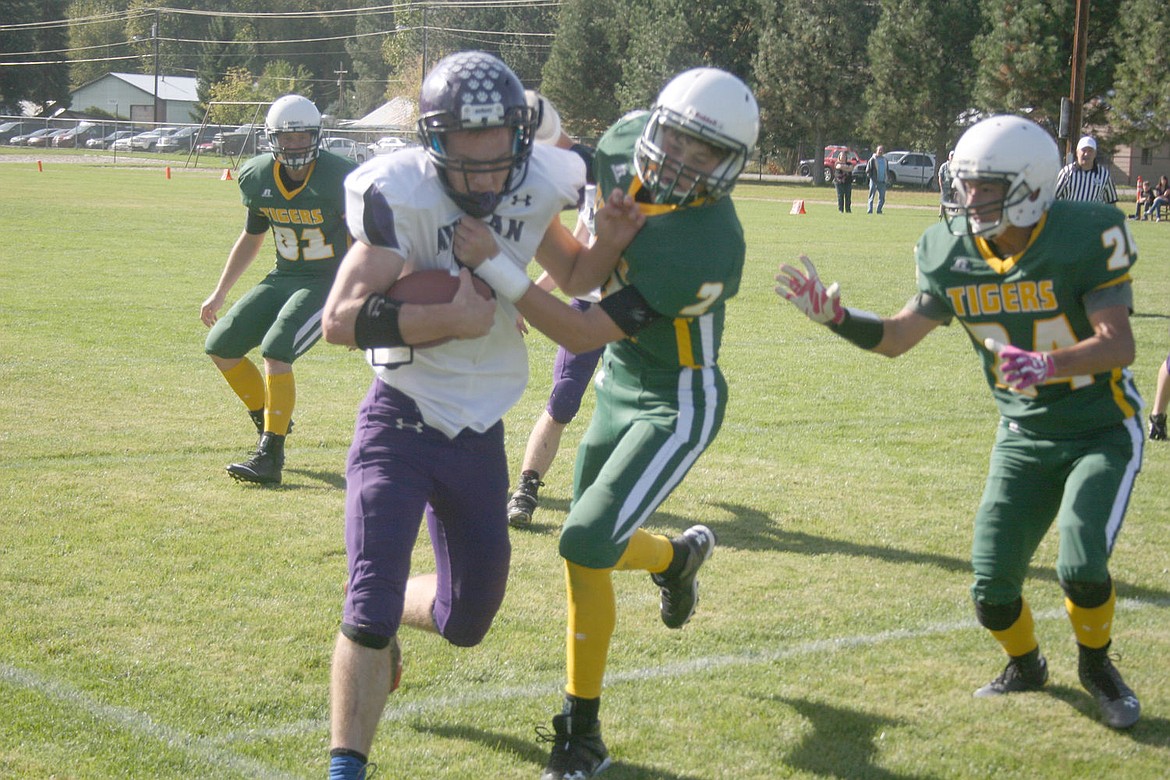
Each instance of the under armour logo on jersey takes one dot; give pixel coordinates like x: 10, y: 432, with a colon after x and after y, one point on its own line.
x: 527, y: 200
x: 402, y: 425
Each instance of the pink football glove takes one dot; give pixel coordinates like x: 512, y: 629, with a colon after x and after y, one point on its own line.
x: 1021, y: 369
x: 809, y: 294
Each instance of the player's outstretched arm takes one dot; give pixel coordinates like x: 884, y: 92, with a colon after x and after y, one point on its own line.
x: 580, y: 268
x: 242, y: 253
x: 890, y: 336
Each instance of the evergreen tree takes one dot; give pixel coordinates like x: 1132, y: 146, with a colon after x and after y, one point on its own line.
x: 1141, y: 104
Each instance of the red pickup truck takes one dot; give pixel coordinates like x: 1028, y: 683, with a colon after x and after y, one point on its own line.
x: 805, y: 167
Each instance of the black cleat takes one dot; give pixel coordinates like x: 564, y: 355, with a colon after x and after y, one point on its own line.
x: 1157, y: 427
x: 577, y: 751
x: 524, y: 501
x: 680, y: 592
x: 1022, y: 674
x: 263, y: 468
x: 1119, y: 706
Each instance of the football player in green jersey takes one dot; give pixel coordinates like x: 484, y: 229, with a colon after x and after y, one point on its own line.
x: 1043, y: 290
x: 298, y: 193
x: 660, y: 393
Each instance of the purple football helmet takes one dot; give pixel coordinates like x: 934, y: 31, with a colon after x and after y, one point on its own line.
x: 474, y: 90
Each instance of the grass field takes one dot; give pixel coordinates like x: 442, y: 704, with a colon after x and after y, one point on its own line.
x: 163, y: 621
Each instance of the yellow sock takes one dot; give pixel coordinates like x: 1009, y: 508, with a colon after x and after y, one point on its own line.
x: 278, y: 406
x: 1020, y: 637
x: 1093, y: 626
x: 646, y: 552
x: 592, y: 616
x: 248, y: 383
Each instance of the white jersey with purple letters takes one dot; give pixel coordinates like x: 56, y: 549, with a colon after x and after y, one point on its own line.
x: 397, y: 202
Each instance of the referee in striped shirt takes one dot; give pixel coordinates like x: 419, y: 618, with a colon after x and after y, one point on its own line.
x: 1084, y: 179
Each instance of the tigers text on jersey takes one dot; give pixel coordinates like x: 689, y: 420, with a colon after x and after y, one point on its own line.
x: 686, y: 263
x: 308, y: 223
x: 397, y: 202
x: 1036, y: 301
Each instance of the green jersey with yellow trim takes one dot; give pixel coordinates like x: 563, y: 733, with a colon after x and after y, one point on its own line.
x: 1036, y: 300
x: 308, y: 222
x: 686, y: 262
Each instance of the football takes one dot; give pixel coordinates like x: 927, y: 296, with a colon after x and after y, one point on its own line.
x: 432, y: 285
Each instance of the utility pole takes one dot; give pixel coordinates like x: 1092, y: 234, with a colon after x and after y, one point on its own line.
x: 154, y: 37
x: 1077, y: 88
x: 341, y: 71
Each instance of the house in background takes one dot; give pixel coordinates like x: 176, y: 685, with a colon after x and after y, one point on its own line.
x: 131, y: 95
x: 1130, y: 162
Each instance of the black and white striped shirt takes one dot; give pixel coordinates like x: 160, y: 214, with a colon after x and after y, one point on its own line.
x: 1095, y: 184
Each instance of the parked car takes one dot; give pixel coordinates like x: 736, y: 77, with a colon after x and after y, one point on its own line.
x: 186, y: 138
x: 9, y: 130
x: 805, y: 167
x: 146, y: 142
x: 45, y: 141
x: 345, y: 147
x: 76, y: 137
x: 390, y: 143
x: 106, y: 141
x: 245, y: 139
x: 915, y: 168
x: 22, y: 140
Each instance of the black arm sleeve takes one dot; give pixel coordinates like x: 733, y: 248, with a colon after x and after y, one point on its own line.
x: 629, y: 310
x: 377, y: 323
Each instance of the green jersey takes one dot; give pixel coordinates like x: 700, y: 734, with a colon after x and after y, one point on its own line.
x: 308, y: 220
x: 685, y: 262
x: 1078, y: 259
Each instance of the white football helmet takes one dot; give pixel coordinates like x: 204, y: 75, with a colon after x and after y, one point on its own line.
x: 548, y: 121
x: 293, y: 114
x: 713, y: 106
x: 1010, y: 150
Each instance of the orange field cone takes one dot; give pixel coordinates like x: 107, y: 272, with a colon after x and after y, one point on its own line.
x: 798, y: 207
x: 227, y: 175
x: 168, y: 171
x: 40, y: 168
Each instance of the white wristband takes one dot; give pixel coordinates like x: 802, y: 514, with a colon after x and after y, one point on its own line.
x: 505, y: 277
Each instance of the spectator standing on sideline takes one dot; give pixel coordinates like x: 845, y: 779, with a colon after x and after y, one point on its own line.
x: 946, y: 184
x: 661, y: 395
x: 843, y: 180
x: 1069, y: 443
x: 1085, y: 179
x: 297, y: 192
x: 877, y: 170
x: 571, y: 372
x: 429, y: 440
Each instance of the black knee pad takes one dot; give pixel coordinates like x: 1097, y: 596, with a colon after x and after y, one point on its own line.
x: 1088, y: 595
x: 998, y: 617
x: 364, y: 638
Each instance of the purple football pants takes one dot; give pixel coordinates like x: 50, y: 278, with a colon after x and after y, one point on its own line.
x: 400, y: 468
x: 571, y: 374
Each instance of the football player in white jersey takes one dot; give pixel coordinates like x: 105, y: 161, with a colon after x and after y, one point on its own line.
x: 429, y: 437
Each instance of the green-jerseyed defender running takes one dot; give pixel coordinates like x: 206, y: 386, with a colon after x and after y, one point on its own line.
x: 1043, y: 289
x: 660, y: 393
x: 298, y: 193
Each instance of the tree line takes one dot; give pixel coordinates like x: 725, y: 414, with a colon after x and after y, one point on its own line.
x: 904, y: 73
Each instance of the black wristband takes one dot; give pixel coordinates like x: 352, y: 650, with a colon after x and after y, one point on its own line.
x: 377, y: 323
x: 863, y: 328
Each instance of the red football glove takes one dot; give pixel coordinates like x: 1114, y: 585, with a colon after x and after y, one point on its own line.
x: 809, y: 294
x: 1021, y: 369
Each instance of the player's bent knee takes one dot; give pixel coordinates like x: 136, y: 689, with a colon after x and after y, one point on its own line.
x: 998, y: 617
x: 1088, y: 595
x: 364, y: 638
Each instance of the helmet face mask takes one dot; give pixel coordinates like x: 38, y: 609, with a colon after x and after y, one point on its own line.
x: 467, y: 92
x: 704, y: 105
x: 293, y: 126
x: 1017, y: 155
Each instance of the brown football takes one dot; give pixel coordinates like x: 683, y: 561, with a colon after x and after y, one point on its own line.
x: 432, y: 285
